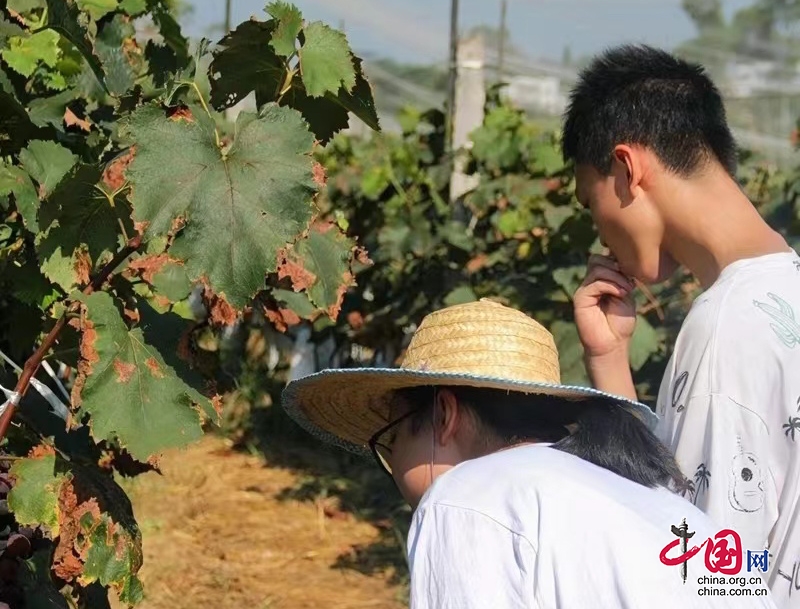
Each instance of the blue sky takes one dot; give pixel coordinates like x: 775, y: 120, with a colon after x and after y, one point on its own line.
x: 417, y: 30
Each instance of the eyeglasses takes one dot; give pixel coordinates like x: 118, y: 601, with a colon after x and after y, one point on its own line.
x: 382, y: 450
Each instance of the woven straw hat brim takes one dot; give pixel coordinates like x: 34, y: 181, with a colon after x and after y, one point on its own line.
x: 345, y: 407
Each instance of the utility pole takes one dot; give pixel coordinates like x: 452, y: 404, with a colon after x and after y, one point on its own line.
x: 501, y: 51
x: 451, y: 86
x: 228, y: 16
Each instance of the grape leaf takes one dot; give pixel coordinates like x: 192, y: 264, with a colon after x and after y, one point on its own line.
x: 97, y: 9
x: 546, y: 158
x: 133, y: 7
x: 328, y: 114
x: 88, y: 513
x: 34, y: 497
x: 255, y: 196
x: 77, y: 218
x: 65, y: 18
x: 23, y: 54
x: 325, y: 254
x: 326, y: 62
x: 172, y: 282
x: 171, y: 33
x: 290, y: 22
x: 644, y: 343
x: 47, y: 162
x: 131, y: 394
x: 14, y: 180
x: 120, y: 60
x: 570, y: 353
x: 245, y: 62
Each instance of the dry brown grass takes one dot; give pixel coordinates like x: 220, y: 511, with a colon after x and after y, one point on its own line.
x: 215, y: 536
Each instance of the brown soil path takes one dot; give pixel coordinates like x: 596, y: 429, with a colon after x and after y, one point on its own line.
x: 216, y: 536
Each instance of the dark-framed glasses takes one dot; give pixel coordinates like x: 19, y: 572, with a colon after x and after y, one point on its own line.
x: 381, y: 442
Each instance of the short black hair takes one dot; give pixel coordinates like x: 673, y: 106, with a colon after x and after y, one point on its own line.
x: 637, y: 94
x: 606, y: 434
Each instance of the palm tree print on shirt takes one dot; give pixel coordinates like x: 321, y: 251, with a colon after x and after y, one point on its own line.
x: 678, y: 389
x: 793, y: 425
x: 701, y: 477
x: 786, y: 326
x: 685, y: 487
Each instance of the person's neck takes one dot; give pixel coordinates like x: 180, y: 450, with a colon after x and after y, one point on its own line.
x: 710, y: 223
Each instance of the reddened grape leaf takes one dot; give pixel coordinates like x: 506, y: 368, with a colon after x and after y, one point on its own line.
x: 241, y: 204
x: 131, y: 394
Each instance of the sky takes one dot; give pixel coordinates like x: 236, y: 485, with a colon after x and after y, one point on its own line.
x: 417, y: 31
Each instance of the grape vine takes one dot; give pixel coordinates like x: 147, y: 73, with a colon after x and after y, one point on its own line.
x: 126, y: 191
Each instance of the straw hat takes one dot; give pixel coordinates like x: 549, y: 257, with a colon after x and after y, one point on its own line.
x: 480, y: 344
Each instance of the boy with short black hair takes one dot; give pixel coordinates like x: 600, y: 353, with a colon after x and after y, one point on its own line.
x: 655, y: 164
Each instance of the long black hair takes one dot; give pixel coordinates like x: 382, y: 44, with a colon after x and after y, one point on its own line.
x: 605, y: 433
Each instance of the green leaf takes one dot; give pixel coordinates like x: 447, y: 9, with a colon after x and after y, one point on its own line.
x: 547, y: 159
x: 569, y: 278
x: 119, y: 64
x: 297, y: 302
x: 556, y: 215
x: 24, y: 53
x: 245, y: 62
x: 290, y: 22
x: 329, y: 114
x: 65, y: 18
x: 13, y: 180
x: 644, y: 342
x: 570, y: 353
x: 133, y: 7
x: 45, y: 111
x: 34, y: 497
x: 77, y: 217
x: 325, y: 254
x: 326, y: 62
x: 460, y: 295
x: 255, y: 196
x: 97, y: 9
x: 131, y: 394
x: 47, y: 162
x: 172, y: 282
x: 170, y: 31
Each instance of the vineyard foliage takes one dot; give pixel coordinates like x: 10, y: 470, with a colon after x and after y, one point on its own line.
x: 124, y: 190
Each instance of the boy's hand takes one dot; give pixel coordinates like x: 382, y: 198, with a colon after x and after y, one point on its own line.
x: 605, y: 312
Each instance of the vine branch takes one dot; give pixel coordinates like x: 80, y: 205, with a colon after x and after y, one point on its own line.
x: 34, y: 361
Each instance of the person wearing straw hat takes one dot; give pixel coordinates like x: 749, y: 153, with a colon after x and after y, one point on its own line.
x: 526, y: 492
x: 655, y: 163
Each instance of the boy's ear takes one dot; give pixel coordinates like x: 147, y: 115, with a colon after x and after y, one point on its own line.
x: 448, y: 415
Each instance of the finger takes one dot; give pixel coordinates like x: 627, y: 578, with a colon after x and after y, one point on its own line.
x: 600, y: 288
x: 607, y: 274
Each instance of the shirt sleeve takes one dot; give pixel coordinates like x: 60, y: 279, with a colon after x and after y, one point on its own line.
x: 723, y: 448
x: 461, y: 558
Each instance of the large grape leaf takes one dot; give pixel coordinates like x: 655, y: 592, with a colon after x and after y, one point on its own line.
x: 64, y: 17
x: 241, y: 204
x: 131, y: 394
x: 290, y: 22
x: 89, y: 515
x: 570, y: 353
x: 245, y: 62
x: 47, y: 162
x: 326, y: 61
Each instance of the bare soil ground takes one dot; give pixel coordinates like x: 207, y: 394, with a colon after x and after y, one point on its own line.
x: 217, y: 534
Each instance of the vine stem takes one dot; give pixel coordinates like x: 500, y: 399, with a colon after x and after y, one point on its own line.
x: 34, y: 361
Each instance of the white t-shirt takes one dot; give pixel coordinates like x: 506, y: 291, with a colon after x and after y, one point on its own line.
x: 534, y: 527
x: 730, y: 408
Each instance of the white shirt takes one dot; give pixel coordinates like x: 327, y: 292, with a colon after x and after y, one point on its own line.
x: 534, y: 527
x: 730, y: 408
